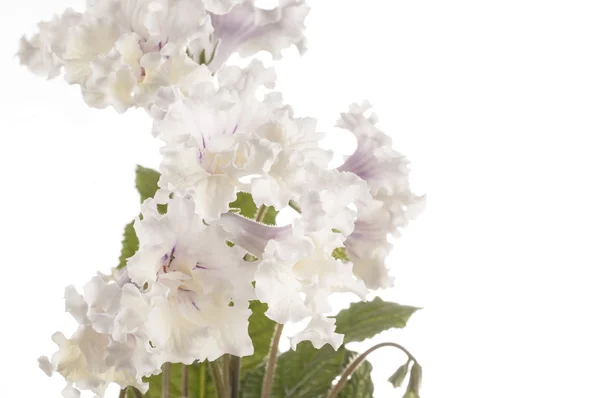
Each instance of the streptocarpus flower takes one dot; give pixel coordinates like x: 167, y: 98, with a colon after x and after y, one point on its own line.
x: 112, y: 47
x: 224, y: 140
x: 296, y: 273
x: 199, y: 287
x: 210, y: 139
x: 110, y: 344
x: 387, y: 174
x: 248, y: 29
x: 43, y: 53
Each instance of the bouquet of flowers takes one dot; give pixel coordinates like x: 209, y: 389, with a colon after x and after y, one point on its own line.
x: 207, y: 280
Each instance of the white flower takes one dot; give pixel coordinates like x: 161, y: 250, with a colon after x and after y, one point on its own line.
x: 199, y: 286
x: 387, y: 174
x: 247, y: 29
x: 110, y: 345
x: 299, y: 152
x: 81, y: 360
x: 43, y: 53
x: 221, y: 6
x: 211, y: 140
x: 296, y: 272
x: 120, y: 51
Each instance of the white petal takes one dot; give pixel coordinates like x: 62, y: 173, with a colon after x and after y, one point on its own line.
x: 45, y: 365
x: 213, y: 195
x: 320, y: 331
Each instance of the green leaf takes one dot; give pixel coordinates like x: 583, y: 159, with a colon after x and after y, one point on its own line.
x: 271, y: 216
x: 304, y: 373
x: 248, y: 208
x: 360, y: 384
x: 245, y: 204
x: 251, y: 386
x: 307, y: 372
x: 194, y: 385
x: 261, y: 331
x: 146, y: 182
x: 410, y: 394
x: 130, y: 245
x: 364, y: 320
x: 399, y: 375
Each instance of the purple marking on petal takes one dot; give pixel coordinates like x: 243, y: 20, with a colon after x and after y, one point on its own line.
x: 235, y: 129
x: 198, y: 266
x: 195, y: 306
x: 203, y: 142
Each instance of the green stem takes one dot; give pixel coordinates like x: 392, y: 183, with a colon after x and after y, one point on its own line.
x: 218, y: 378
x: 166, y: 379
x: 262, y: 212
x: 203, y: 380
x: 295, y: 206
x: 234, y: 369
x: 271, y: 362
x: 335, y: 390
x: 123, y: 393
x: 184, y: 381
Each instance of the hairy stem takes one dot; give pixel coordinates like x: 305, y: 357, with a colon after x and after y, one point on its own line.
x: 203, y: 380
x: 335, y: 390
x: 234, y: 372
x: 271, y: 362
x: 218, y: 378
x: 262, y: 212
x: 166, y: 378
x: 136, y: 392
x: 184, y: 382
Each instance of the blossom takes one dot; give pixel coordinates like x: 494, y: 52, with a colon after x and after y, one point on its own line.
x: 43, y: 53
x: 296, y: 272
x: 210, y: 140
x: 248, y: 29
x: 199, y: 286
x: 102, y: 350
x: 298, y: 142
x: 386, y: 172
x: 118, y: 50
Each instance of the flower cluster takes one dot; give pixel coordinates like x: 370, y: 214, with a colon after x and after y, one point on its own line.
x: 184, y: 296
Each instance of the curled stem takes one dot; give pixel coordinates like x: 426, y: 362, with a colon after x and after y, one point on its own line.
x: 335, y: 390
x: 271, y: 362
x: 218, y: 378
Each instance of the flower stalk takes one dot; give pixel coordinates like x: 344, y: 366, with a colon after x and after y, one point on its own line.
x: 271, y: 362
x: 351, y: 368
x: 184, y: 381
x: 166, y: 380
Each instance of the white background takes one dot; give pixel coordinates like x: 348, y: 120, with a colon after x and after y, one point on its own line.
x: 495, y: 102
